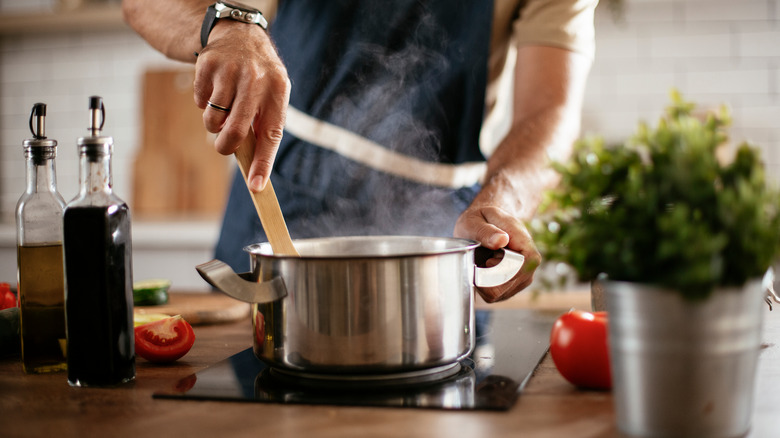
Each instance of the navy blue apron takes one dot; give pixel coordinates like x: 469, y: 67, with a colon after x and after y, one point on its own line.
x: 408, y: 75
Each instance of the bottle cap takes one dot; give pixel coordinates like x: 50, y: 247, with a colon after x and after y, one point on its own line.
x: 96, y: 142
x: 38, y: 128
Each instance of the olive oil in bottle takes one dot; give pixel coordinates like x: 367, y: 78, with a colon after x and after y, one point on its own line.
x: 98, y: 269
x: 39, y: 254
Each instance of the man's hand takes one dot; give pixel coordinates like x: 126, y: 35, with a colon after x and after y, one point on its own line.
x: 496, y: 228
x: 239, y: 69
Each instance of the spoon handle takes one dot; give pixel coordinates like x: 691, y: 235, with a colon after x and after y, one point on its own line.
x: 266, y: 204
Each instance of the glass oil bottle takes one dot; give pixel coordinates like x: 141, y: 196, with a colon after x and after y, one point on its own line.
x: 39, y: 254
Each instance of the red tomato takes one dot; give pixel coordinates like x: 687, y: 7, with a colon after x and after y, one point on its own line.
x: 259, y: 329
x: 578, y: 346
x: 7, y: 298
x: 164, y: 340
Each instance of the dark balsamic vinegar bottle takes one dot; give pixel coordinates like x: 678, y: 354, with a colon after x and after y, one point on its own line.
x: 98, y: 268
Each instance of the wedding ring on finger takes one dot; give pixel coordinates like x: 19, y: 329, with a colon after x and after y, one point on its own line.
x: 218, y: 107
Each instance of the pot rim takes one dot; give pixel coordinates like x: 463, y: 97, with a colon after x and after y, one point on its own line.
x: 450, y: 245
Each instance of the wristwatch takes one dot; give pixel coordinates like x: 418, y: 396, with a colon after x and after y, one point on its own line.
x: 233, y: 11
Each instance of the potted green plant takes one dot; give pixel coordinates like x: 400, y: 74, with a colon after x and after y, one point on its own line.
x: 681, y: 239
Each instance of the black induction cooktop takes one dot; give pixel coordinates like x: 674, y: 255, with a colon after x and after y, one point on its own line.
x: 510, y: 343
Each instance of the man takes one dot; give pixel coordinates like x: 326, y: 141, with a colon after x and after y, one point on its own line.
x: 370, y: 112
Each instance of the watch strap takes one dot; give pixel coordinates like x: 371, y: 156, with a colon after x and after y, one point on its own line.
x: 208, y: 23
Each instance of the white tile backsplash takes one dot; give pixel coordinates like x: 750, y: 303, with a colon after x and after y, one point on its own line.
x: 648, y: 81
x: 657, y: 11
x: 760, y: 44
x: 693, y: 45
x: 757, y: 117
x: 733, y: 82
x: 714, y: 51
x: 725, y: 11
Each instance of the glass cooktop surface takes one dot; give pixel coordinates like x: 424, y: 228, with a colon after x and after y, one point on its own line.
x: 510, y: 343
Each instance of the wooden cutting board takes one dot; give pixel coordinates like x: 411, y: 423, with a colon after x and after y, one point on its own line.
x: 176, y: 171
x: 200, y: 308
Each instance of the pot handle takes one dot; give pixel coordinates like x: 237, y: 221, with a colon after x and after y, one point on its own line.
x: 768, y: 283
x: 497, y: 278
x: 239, y: 286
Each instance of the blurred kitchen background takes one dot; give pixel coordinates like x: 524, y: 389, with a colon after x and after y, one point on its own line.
x: 62, y: 51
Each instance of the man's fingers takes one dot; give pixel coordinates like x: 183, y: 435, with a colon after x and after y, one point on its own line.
x: 473, y: 224
x: 269, y: 126
x: 495, y: 228
x: 231, y: 135
x: 218, y: 108
x: 267, y: 144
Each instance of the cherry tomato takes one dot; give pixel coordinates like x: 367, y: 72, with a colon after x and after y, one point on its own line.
x: 578, y: 346
x: 164, y: 340
x: 7, y: 298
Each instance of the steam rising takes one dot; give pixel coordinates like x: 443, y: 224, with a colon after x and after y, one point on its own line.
x: 398, y: 80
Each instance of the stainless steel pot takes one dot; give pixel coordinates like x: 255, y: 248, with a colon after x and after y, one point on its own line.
x: 359, y: 305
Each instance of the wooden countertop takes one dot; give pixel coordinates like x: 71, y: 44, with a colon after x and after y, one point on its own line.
x: 44, y: 405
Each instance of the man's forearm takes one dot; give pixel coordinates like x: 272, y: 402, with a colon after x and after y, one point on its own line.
x: 172, y: 26
x: 549, y: 88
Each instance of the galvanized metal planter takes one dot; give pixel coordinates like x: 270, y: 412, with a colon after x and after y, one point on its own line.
x: 681, y: 367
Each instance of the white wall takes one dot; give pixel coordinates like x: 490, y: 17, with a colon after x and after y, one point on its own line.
x: 713, y: 51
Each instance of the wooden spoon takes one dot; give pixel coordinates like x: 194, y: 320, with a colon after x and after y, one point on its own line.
x: 265, y: 201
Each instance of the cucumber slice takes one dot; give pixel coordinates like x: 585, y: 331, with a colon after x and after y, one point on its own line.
x: 151, y: 292
x: 146, y: 318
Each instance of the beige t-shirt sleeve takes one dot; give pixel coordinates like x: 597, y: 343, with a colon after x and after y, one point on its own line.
x: 567, y: 24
